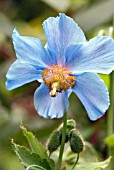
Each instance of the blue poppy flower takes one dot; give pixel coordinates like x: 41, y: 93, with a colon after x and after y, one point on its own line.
x: 67, y: 63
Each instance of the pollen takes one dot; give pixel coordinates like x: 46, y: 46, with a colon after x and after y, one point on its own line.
x: 58, y: 78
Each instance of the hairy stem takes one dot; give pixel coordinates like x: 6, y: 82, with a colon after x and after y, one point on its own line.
x: 63, y: 142
x: 76, y: 161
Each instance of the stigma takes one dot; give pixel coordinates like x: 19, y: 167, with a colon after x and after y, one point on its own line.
x: 57, y: 79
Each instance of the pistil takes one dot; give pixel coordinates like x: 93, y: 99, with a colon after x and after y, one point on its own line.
x: 55, y: 86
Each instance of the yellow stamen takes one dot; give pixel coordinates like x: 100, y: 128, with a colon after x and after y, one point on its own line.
x: 58, y: 78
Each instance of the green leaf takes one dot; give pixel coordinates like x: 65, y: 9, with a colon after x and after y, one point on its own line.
x: 93, y: 165
x: 36, y: 146
x: 30, y: 159
x: 110, y: 140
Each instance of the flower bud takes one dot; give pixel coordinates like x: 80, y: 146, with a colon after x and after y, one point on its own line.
x: 54, y: 141
x: 76, y: 141
x: 70, y: 125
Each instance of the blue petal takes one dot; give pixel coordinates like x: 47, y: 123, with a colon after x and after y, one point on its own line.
x: 93, y: 94
x: 30, y: 50
x: 50, y: 107
x: 97, y: 55
x: 61, y: 32
x: 20, y: 74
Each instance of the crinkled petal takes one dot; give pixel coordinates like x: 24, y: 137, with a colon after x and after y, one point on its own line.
x: 30, y: 50
x: 61, y: 32
x: 93, y: 94
x: 20, y: 74
x: 50, y: 107
x: 96, y: 55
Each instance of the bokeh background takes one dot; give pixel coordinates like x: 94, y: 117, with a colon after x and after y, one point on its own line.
x: 16, y: 106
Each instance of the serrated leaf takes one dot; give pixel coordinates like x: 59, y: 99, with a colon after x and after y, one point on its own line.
x: 93, y: 165
x: 36, y: 146
x: 110, y: 140
x: 29, y: 159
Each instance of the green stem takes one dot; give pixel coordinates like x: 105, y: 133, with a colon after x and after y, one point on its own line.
x: 76, y: 161
x: 63, y: 141
x: 110, y: 125
x: 110, y: 112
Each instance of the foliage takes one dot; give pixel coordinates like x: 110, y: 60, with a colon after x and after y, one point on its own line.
x: 38, y: 158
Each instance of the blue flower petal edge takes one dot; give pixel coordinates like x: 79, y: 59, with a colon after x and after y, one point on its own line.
x: 93, y: 93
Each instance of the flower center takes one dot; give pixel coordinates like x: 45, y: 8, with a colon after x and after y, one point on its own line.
x: 57, y: 78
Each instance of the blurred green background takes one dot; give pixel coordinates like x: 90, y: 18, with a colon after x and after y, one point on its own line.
x: 16, y: 106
